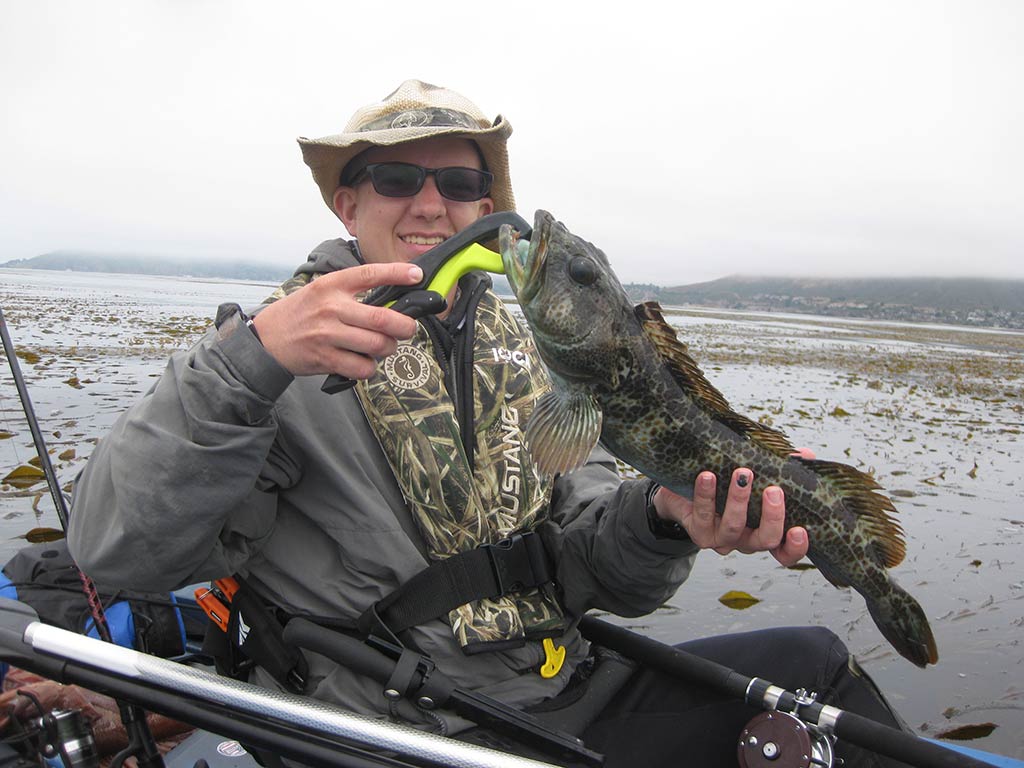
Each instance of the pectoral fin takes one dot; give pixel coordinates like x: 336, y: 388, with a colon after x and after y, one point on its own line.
x: 563, y: 430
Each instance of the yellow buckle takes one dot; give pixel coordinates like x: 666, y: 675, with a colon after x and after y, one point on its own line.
x: 554, y: 658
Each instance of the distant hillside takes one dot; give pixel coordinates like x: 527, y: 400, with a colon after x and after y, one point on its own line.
x: 137, y: 264
x: 960, y: 301
x: 957, y: 301
x: 131, y: 264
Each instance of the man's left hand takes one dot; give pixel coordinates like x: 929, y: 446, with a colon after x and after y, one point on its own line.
x: 728, y: 532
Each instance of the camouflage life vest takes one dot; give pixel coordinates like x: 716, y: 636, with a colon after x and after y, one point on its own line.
x: 461, y: 499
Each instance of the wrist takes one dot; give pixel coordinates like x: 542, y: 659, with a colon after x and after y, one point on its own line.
x: 662, y: 528
x: 251, y: 325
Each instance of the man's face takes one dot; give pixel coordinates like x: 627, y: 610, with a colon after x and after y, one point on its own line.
x: 401, y: 228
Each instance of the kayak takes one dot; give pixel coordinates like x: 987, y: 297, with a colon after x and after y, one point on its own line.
x: 1000, y: 761
x: 312, y: 732
x: 229, y: 713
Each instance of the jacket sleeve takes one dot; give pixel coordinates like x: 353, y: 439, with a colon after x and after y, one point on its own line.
x: 607, y: 557
x: 183, y: 487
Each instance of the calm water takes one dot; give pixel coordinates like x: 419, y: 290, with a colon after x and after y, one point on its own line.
x: 934, y: 413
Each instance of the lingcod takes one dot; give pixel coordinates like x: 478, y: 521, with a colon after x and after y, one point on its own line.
x: 621, y: 376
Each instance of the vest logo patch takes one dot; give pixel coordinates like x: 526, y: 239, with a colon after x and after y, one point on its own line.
x: 511, y: 477
x: 504, y: 355
x: 408, y: 368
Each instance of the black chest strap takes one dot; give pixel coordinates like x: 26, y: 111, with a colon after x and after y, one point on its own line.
x: 513, y: 564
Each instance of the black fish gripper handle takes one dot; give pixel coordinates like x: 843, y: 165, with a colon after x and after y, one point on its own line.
x: 415, y: 304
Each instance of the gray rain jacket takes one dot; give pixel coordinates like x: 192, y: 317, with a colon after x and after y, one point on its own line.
x: 232, y: 465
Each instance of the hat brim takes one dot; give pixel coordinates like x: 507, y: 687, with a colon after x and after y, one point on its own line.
x: 328, y: 156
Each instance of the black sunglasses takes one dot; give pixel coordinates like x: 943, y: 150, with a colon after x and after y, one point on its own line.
x: 464, y: 185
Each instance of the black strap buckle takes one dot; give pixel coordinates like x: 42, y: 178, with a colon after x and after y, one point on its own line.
x: 518, y: 561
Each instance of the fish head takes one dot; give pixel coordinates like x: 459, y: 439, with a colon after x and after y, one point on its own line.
x: 569, y: 295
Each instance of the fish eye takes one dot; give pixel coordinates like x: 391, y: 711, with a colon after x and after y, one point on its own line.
x: 582, y: 270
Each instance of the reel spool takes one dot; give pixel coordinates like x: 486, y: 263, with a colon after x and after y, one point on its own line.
x: 782, y: 740
x: 69, y: 737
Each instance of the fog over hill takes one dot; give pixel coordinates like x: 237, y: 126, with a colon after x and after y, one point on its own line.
x: 146, y: 264
x: 961, y: 301
x: 138, y: 264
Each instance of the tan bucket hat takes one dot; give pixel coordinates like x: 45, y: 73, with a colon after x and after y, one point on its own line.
x: 415, y: 110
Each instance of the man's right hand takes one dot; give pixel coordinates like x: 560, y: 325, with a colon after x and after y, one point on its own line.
x: 324, y: 328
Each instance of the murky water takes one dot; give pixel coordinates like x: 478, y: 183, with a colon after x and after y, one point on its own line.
x: 935, y: 413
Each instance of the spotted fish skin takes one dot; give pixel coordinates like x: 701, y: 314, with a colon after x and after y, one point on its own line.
x: 620, y: 374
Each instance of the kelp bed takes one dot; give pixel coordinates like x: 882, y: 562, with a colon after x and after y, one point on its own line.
x: 88, y: 345
x: 934, y: 413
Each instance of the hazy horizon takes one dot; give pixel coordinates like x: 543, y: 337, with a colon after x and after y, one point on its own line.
x: 622, y: 274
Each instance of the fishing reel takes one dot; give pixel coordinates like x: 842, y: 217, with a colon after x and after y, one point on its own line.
x: 66, y: 736
x: 777, y: 739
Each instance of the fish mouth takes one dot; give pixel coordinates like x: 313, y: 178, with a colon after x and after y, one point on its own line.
x: 524, y: 260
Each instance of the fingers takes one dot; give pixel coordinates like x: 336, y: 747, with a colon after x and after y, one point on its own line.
x: 701, y: 519
x: 733, y: 524
x: 728, y: 531
x: 788, y: 547
x: 705, y: 526
x: 769, y: 532
x: 369, y: 276
x: 347, y: 363
x: 348, y: 284
x: 325, y: 328
x: 794, y: 547
x: 369, y: 329
x: 710, y: 530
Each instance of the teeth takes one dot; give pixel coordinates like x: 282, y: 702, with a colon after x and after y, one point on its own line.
x: 417, y: 240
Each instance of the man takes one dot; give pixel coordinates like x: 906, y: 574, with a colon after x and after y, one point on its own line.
x: 237, y: 463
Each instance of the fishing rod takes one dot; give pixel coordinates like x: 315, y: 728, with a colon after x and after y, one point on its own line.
x: 759, y: 743
x: 140, y: 743
x: 59, y: 502
x: 397, y: 668
x: 37, y: 436
x: 313, y: 732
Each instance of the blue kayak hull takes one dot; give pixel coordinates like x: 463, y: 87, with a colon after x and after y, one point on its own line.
x: 997, y: 760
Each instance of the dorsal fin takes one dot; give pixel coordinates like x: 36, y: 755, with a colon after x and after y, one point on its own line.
x: 690, y: 378
x: 873, y: 510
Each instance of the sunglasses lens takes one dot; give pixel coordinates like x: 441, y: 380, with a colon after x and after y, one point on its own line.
x: 405, y: 180
x: 397, y: 179
x: 463, y: 184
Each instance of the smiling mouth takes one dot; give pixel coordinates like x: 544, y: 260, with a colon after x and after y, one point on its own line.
x: 420, y: 240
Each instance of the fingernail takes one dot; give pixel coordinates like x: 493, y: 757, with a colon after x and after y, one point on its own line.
x: 415, y: 273
x: 798, y: 537
x: 706, y: 480
x: 774, y: 495
x: 742, y: 479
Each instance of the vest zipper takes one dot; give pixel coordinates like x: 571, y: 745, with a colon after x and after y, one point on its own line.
x: 456, y: 359
x: 463, y: 358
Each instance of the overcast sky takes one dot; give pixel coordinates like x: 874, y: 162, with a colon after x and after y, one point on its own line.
x: 870, y: 137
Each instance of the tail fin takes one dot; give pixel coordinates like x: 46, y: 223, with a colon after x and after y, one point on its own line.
x: 901, y: 620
